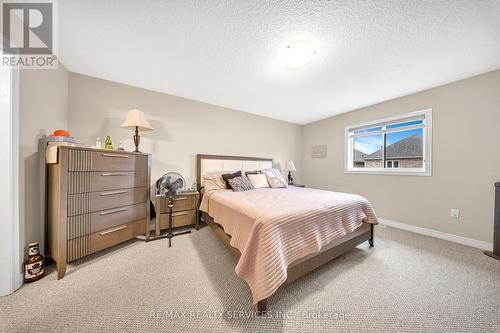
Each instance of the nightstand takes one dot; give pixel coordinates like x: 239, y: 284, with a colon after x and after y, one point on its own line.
x: 185, y: 211
x: 297, y: 185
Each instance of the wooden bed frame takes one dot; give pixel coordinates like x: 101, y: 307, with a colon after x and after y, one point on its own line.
x: 304, y: 265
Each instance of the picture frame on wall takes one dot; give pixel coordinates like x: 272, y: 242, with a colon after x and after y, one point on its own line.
x: 318, y: 151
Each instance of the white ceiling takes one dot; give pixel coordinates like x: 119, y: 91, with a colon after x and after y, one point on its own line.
x: 225, y: 52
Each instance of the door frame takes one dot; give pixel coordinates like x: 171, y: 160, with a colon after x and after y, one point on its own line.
x: 11, y: 277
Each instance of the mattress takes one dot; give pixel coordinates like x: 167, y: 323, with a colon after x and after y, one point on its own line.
x: 273, y: 227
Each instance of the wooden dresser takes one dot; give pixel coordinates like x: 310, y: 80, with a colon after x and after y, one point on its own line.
x: 96, y: 199
x: 185, y: 211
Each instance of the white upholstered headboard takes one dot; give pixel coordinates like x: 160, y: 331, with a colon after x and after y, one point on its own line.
x: 214, y: 163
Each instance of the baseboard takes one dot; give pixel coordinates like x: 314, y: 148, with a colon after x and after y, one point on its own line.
x: 438, y: 234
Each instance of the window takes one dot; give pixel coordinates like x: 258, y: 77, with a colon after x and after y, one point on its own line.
x: 392, y: 164
x: 396, y: 145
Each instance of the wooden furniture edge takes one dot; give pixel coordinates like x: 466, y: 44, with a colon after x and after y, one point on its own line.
x: 56, y: 223
x: 147, y: 231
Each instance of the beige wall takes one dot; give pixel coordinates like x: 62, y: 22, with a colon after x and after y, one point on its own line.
x: 43, y: 107
x: 182, y: 127
x: 466, y: 159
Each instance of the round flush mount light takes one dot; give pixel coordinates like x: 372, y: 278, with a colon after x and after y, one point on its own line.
x: 297, y: 54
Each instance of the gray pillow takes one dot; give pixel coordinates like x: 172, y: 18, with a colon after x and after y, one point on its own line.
x: 240, y: 184
x: 228, y: 176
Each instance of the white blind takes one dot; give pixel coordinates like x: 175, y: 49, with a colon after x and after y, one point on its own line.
x: 377, y: 124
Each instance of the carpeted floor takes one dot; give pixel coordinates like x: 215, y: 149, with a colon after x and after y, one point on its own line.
x: 407, y: 283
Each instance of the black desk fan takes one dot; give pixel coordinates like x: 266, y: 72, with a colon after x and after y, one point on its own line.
x: 168, y: 185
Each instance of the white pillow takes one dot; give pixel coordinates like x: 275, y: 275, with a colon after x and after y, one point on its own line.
x: 213, y: 181
x: 258, y: 180
x: 275, y: 178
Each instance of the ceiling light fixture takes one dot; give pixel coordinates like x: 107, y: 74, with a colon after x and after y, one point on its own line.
x: 297, y: 54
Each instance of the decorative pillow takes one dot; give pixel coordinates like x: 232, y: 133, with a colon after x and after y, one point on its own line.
x: 275, y: 178
x: 258, y: 180
x: 240, y: 184
x: 213, y: 181
x: 228, y: 176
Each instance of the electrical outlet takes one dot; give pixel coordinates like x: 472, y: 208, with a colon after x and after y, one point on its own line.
x: 455, y: 213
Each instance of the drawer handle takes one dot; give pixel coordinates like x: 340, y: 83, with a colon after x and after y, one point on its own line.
x: 113, y: 230
x: 179, y: 214
x: 180, y: 199
x: 114, y: 211
x: 114, y: 155
x: 112, y: 193
x: 114, y: 174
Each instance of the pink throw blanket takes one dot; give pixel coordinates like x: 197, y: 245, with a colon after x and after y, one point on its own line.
x: 272, y: 228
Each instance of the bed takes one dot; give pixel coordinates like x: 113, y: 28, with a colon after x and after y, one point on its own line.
x: 281, y: 234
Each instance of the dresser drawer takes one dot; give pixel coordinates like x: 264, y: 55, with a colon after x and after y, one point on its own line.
x: 112, y: 236
x: 104, y: 181
x: 181, y: 202
x: 117, y: 161
x: 116, y: 198
x: 179, y: 219
x: 84, y: 203
x: 113, y: 217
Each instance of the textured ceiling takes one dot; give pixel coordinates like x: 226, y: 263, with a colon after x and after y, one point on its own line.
x: 225, y: 52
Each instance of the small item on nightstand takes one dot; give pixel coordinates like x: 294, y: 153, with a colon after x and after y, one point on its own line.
x: 188, y: 190
x: 98, y: 143
x: 290, y: 167
x: 34, y: 268
x: 108, y: 144
x: 120, y: 146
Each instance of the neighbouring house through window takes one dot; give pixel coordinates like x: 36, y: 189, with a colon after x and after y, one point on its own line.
x: 396, y: 145
x: 392, y: 164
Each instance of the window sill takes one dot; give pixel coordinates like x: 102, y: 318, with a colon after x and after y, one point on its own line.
x: 390, y: 172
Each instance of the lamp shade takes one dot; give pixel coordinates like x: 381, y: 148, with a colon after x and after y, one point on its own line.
x: 135, y: 118
x: 290, y: 166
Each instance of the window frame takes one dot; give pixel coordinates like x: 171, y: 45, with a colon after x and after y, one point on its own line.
x: 426, y: 170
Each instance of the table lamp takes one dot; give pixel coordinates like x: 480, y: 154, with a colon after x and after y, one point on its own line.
x: 136, y: 121
x: 290, y: 167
